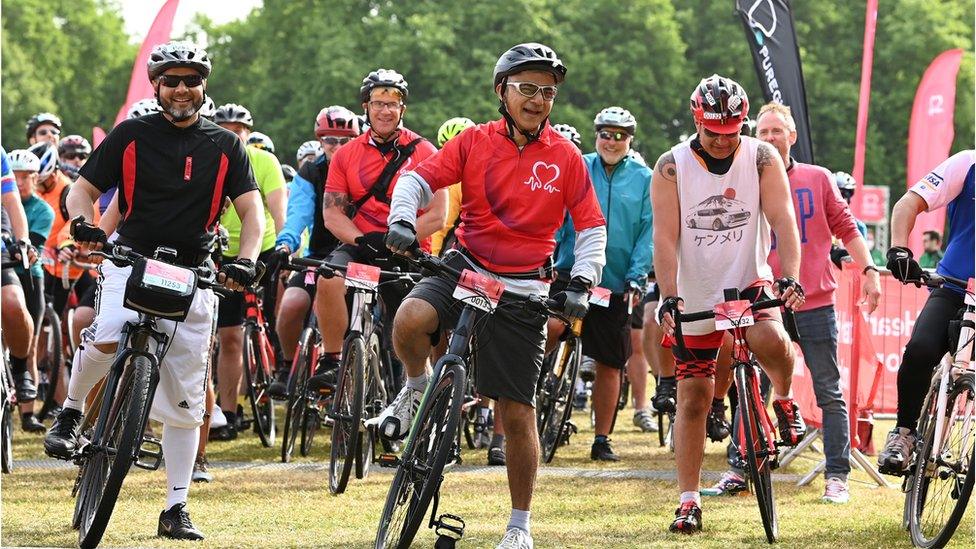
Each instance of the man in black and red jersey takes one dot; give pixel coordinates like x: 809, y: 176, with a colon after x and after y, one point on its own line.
x: 518, y: 178
x: 173, y: 169
x: 357, y: 202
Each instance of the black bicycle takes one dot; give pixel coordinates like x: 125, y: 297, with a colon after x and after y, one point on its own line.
x: 554, y: 395
x: 157, y: 288
x: 432, y: 443
x: 8, y: 402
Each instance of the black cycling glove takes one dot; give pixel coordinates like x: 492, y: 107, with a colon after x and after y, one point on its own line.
x: 84, y: 232
x: 370, y: 246
x: 241, y: 270
x: 903, y: 266
x: 574, y: 301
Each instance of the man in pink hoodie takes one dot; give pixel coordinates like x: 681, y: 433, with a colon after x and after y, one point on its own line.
x: 821, y: 213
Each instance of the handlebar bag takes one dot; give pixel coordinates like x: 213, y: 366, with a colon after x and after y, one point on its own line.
x: 160, y: 289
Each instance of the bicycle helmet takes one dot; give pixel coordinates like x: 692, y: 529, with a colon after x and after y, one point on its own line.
x: 382, y: 78
x: 529, y: 56
x: 452, y: 128
x: 233, y: 113
x: 142, y: 108
x: 177, y: 54
x: 261, y: 141
x: 209, y: 108
x: 337, y: 120
x: 47, y: 153
x: 720, y: 104
x: 74, y: 144
x: 42, y: 118
x: 307, y: 148
x: 288, y: 172
x: 570, y: 133
x: 615, y: 117
x: 846, y: 183
x: 22, y: 160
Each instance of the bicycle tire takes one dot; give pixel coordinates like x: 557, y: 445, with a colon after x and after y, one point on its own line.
x: 560, y: 403
x: 7, y: 438
x: 372, y: 407
x: 347, y: 412
x: 311, y: 421
x: 297, y: 395
x: 257, y: 380
x: 52, y: 362
x: 665, y: 422
x: 124, y: 429
x: 759, y: 467
x: 432, y: 437
x: 926, y: 474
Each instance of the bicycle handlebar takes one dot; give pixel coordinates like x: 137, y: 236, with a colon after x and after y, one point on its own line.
x: 123, y: 256
x: 328, y: 270
x: 789, y: 319
x: 935, y: 280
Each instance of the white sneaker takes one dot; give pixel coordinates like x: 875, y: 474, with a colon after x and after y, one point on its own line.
x: 200, y: 472
x: 217, y: 418
x: 395, y: 419
x: 644, y: 419
x: 587, y: 369
x: 836, y: 491
x: 516, y: 538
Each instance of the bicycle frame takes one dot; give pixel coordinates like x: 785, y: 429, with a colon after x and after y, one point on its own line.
x: 742, y: 358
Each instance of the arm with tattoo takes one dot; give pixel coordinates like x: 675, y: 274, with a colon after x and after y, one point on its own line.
x: 334, y: 207
x: 764, y: 156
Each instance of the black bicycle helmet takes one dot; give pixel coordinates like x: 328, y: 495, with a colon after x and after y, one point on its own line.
x: 382, y: 78
x: 231, y: 113
x: 529, y: 56
x: 177, y: 54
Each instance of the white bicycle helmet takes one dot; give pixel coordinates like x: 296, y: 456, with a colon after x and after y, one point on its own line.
x: 22, y: 160
x: 307, y: 148
x: 48, y: 154
x: 142, y: 108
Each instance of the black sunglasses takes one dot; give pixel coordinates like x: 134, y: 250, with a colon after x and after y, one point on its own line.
x: 616, y: 136
x: 173, y: 80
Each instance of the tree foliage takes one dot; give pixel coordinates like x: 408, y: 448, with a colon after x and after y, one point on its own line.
x: 289, y: 59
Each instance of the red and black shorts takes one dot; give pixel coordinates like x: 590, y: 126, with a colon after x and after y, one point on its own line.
x: 701, y: 351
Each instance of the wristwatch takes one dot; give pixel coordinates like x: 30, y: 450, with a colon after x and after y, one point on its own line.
x: 870, y: 268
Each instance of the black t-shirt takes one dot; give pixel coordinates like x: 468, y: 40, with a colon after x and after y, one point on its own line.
x: 172, y: 181
x: 321, y: 242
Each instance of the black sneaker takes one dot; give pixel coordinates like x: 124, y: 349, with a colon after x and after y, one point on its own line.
x: 601, y: 451
x: 225, y: 432
x: 52, y: 413
x: 26, y: 390
x: 62, y: 439
x: 496, y: 456
x: 176, y: 524
x: 326, y: 375
x: 30, y: 424
x: 687, y: 519
x: 716, y: 426
x: 278, y: 390
x: 665, y: 398
x: 792, y: 428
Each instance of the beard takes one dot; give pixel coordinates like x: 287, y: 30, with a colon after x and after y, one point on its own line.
x: 178, y: 114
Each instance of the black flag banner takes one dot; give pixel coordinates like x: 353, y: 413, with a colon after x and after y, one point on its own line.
x: 772, y: 41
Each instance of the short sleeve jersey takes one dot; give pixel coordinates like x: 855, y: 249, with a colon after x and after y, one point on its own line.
x: 172, y: 181
x: 267, y: 173
x: 950, y: 185
x: 356, y: 167
x: 513, y: 200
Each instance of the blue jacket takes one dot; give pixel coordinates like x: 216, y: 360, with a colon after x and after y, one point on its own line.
x: 301, y: 213
x: 625, y: 198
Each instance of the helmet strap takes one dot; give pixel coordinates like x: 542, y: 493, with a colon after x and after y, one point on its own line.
x: 510, y: 122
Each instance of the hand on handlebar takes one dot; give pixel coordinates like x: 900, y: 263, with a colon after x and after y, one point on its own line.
x: 236, y: 275
x: 401, y: 238
x: 87, y: 235
x: 903, y: 266
x: 574, y: 301
x: 790, y: 291
x: 666, y: 310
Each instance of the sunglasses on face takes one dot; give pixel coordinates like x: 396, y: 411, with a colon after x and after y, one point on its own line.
x: 529, y: 89
x: 616, y: 136
x: 335, y: 140
x: 173, y: 80
x: 75, y: 156
x: 48, y: 131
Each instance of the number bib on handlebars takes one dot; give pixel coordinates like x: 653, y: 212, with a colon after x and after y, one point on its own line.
x: 366, y: 277
x: 480, y: 291
x: 730, y: 314
x: 160, y: 289
x: 600, y: 297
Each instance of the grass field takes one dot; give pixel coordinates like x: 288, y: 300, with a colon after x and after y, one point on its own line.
x: 293, y: 508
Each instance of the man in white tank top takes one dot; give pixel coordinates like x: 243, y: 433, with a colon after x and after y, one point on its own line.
x: 714, y: 199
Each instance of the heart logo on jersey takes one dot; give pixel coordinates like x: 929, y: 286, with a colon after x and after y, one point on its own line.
x: 544, y: 173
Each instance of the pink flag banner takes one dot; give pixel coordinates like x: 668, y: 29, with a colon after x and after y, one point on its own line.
x: 159, y: 32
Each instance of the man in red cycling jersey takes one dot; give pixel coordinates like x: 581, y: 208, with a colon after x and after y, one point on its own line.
x: 715, y: 198
x: 518, y: 177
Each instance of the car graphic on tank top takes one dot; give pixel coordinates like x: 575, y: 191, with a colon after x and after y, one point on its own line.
x: 718, y: 213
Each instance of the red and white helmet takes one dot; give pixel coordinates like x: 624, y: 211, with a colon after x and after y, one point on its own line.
x: 337, y: 120
x: 720, y: 104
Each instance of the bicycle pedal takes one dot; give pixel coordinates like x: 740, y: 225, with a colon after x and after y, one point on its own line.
x: 388, y: 460
x: 449, y: 526
x: 149, y: 459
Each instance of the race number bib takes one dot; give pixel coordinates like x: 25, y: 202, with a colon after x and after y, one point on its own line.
x: 730, y: 314
x: 366, y: 277
x: 168, y: 277
x: 480, y: 291
x: 600, y: 297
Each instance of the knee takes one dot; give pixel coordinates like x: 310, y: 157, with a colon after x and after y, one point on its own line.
x: 770, y: 340
x: 292, y: 307
x: 517, y: 418
x: 332, y: 290
x: 413, y: 319
x: 694, y: 397
x: 920, y: 352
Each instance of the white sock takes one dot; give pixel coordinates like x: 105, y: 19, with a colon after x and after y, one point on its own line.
x: 179, y: 451
x: 520, y: 520
x: 89, y: 366
x: 418, y: 383
x: 691, y: 496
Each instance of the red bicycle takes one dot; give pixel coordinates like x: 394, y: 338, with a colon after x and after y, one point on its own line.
x: 755, y: 434
x: 259, y: 358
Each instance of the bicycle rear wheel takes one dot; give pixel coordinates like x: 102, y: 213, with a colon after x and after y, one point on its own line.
x: 112, y: 456
x: 347, y: 412
x: 759, y: 461
x: 257, y: 376
x: 558, y: 399
x: 372, y: 407
x: 421, y: 467
x: 941, y: 486
x: 297, y: 394
x: 6, y: 437
x: 52, y: 361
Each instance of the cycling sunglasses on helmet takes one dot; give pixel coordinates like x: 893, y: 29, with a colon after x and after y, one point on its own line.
x: 529, y: 89
x: 173, y: 80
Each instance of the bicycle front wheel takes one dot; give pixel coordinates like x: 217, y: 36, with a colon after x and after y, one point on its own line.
x: 419, y: 475
x: 7, y: 437
x: 347, y: 413
x: 759, y: 461
x: 558, y: 399
x: 297, y: 394
x: 53, y: 360
x: 942, y: 482
x: 112, y: 456
x: 258, y: 379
